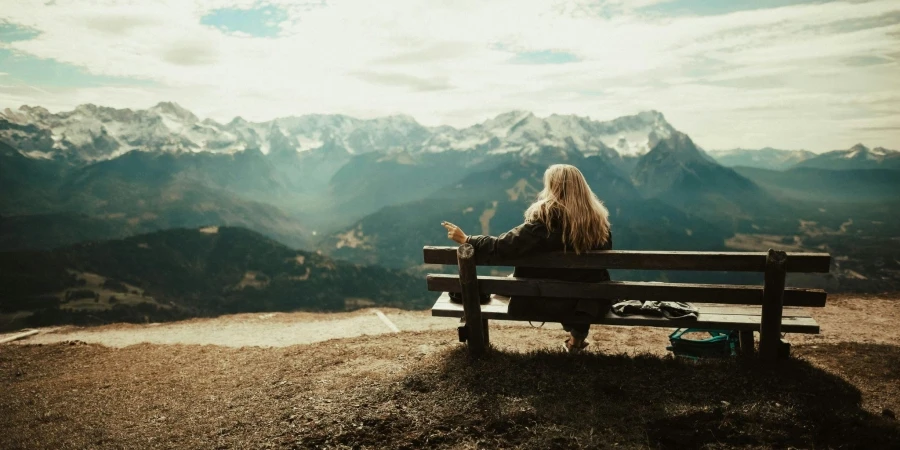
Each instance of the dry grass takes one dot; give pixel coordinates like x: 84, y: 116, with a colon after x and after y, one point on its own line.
x: 420, y: 390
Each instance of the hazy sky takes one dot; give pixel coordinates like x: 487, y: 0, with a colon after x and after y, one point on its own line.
x: 732, y: 73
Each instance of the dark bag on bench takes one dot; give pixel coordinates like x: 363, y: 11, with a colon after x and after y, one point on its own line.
x: 456, y: 297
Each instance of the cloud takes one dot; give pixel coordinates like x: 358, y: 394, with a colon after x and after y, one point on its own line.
x: 802, y: 75
x: 544, y: 57
x: 867, y: 60
x: 190, y: 53
x: 420, y: 84
x: 117, y: 24
x: 435, y: 52
x: 887, y: 128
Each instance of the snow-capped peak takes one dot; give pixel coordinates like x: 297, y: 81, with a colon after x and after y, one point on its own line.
x: 855, y: 151
x: 523, y: 132
x: 174, y: 110
x: 91, y: 132
x: 860, y: 151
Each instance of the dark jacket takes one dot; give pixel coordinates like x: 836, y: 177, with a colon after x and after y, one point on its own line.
x: 531, y: 238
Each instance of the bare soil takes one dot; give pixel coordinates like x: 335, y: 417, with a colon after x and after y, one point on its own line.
x: 248, y: 330
x: 250, y: 381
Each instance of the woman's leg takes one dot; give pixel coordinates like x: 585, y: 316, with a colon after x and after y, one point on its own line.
x: 579, y: 331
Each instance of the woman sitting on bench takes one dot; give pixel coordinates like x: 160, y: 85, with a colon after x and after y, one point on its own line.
x: 566, y: 216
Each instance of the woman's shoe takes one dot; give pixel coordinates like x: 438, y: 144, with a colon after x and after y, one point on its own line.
x: 573, y: 345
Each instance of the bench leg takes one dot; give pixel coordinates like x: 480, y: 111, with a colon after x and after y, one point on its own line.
x: 747, y: 345
x: 772, y: 307
x: 462, y: 331
x: 468, y: 281
x: 784, y: 349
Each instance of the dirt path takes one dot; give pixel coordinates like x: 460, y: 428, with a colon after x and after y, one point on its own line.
x: 247, y: 330
x: 868, y: 319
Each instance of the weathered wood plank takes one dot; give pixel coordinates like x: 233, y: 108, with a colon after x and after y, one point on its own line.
x: 634, y: 290
x: 468, y: 285
x: 749, y: 310
x: 805, y: 325
x: 707, y: 308
x: 773, y: 302
x: 648, y: 260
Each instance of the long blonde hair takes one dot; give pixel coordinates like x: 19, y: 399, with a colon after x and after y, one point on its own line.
x: 567, y: 197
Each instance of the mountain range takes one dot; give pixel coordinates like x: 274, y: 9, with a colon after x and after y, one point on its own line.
x: 763, y: 158
x: 857, y: 157
x: 92, y: 133
x: 374, y: 191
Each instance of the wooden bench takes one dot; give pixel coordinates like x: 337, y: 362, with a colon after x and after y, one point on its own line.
x: 722, y: 306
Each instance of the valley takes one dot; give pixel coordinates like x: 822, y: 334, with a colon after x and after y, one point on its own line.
x: 330, y: 213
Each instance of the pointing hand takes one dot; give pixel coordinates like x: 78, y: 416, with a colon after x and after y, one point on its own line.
x: 454, y: 233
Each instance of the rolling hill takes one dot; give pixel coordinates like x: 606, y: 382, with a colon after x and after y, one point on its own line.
x: 191, y: 272
x: 493, y: 201
x: 824, y: 185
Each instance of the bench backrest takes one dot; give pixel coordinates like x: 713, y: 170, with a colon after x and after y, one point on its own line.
x: 648, y: 260
x: 773, y: 263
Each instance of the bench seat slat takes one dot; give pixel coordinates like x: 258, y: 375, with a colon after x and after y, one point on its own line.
x: 648, y: 260
x: 696, y: 293
x: 497, y: 310
x: 710, y: 308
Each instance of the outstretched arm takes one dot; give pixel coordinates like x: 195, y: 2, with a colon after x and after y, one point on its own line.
x: 519, y: 241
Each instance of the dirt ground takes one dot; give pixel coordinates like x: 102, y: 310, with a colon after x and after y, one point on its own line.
x: 300, y: 380
x: 865, y: 319
x: 247, y: 330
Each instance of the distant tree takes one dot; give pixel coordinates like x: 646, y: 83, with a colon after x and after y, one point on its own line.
x: 113, y: 299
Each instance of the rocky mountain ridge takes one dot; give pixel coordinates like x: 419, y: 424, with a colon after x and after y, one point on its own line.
x: 857, y: 157
x: 763, y: 158
x: 91, y: 133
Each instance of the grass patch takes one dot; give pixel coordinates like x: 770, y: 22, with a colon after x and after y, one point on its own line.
x: 548, y: 399
x: 417, y: 390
